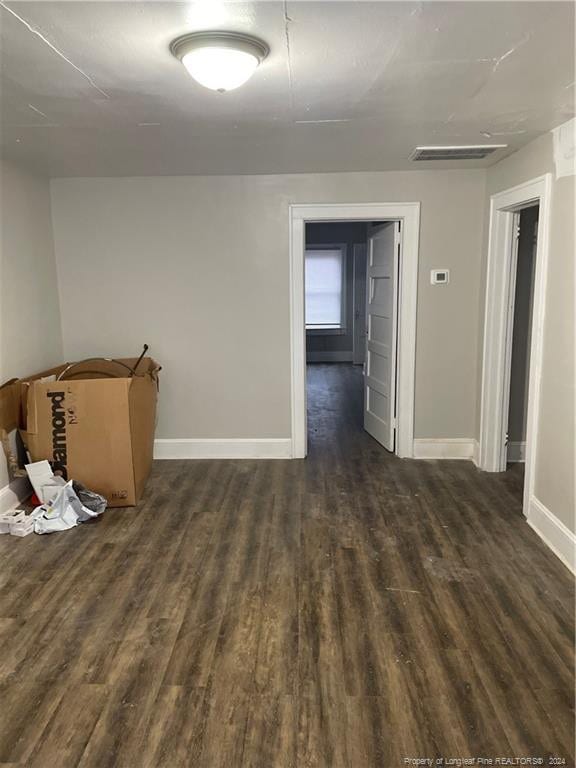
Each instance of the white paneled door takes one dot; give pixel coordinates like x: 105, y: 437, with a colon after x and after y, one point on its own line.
x: 381, y: 333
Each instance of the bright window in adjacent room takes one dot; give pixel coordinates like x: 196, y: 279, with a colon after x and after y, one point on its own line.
x: 325, y: 269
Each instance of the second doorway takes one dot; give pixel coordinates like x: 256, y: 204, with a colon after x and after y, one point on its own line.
x: 352, y: 272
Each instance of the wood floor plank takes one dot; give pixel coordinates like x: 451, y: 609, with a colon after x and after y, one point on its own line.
x: 227, y: 714
x: 134, y: 678
x: 271, y: 732
x: 175, y: 735
x: 321, y: 728
x: 27, y: 708
x: 559, y: 708
x: 277, y: 660
x: 70, y: 728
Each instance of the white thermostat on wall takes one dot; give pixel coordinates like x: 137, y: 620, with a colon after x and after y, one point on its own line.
x: 440, y: 276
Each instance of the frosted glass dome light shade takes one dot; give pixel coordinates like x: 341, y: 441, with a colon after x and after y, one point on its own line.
x: 221, y: 69
x: 220, y: 61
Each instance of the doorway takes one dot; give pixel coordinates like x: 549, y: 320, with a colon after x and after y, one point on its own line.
x: 514, y: 315
x: 407, y: 217
x: 351, y: 314
x: 526, y: 240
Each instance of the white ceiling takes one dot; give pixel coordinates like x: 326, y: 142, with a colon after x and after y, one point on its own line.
x: 90, y: 88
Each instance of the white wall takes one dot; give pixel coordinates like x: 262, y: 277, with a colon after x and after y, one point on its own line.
x: 555, y: 447
x: 30, y: 328
x: 198, y: 267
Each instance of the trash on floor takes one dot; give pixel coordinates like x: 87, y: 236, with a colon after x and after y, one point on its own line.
x: 46, y: 484
x: 63, y: 504
x: 17, y: 523
x: 23, y: 526
x: 9, y: 518
x: 92, y: 501
x: 66, y: 509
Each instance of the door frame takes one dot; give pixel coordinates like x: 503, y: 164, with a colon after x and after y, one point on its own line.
x: 499, y: 309
x: 409, y: 215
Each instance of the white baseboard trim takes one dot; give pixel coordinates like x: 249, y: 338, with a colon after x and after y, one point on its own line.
x: 329, y: 357
x: 14, y: 493
x: 191, y: 448
x: 553, y: 532
x: 445, y: 448
x: 516, y: 452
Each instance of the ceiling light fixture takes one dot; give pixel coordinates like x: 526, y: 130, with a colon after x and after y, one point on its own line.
x: 220, y: 61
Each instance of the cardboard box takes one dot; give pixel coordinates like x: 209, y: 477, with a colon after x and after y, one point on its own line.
x: 95, y: 426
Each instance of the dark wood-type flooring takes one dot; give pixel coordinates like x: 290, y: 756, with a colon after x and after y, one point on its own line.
x: 351, y: 610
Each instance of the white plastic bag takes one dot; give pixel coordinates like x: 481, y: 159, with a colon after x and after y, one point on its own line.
x: 63, y: 512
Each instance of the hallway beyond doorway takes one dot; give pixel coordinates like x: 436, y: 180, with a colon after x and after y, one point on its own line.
x: 335, y: 406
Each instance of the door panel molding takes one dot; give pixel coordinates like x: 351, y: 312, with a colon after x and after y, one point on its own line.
x: 409, y: 215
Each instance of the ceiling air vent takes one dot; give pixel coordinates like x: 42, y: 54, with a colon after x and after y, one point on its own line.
x: 472, y: 152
